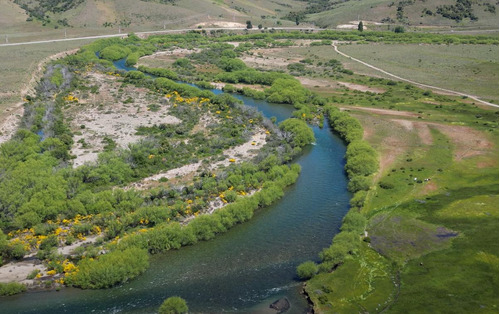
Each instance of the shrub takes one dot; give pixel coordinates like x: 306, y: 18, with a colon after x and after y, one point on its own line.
x: 173, y: 305
x: 109, y: 269
x: 307, y: 270
x: 386, y: 185
x: 11, y: 288
x: 359, y: 183
x: 354, y: 222
x: 302, y: 134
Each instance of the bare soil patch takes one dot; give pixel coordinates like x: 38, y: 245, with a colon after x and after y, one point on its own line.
x: 422, y: 129
x: 362, y: 88
x: 168, y: 56
x: 220, y: 85
x: 315, y: 82
x: 113, y: 114
x: 264, y: 58
x: 18, y: 271
x: 383, y: 111
x: 238, y: 154
x: 468, y: 142
x: 222, y: 23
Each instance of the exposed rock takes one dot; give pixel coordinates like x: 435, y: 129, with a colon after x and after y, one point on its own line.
x: 281, y: 305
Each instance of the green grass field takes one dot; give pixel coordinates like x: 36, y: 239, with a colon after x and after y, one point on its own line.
x: 465, y: 68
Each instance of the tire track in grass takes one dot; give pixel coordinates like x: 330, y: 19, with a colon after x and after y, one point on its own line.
x: 413, y: 82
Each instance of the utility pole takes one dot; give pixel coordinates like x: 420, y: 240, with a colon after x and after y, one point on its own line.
x: 6, y: 39
x: 164, y: 25
x: 119, y: 29
x: 65, y: 35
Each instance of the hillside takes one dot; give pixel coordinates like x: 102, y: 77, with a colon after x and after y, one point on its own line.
x: 57, y: 18
x: 421, y: 14
x: 79, y: 18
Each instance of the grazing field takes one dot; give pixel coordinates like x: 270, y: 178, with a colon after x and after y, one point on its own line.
x: 465, y: 68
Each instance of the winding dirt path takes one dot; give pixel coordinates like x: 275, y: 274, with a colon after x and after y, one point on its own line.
x: 413, y: 82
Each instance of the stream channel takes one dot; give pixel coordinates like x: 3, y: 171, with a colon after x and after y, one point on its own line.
x: 243, y: 270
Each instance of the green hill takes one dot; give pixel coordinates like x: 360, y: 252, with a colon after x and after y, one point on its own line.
x: 420, y: 13
x: 85, y: 17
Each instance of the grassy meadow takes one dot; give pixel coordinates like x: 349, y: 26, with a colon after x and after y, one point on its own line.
x: 465, y: 68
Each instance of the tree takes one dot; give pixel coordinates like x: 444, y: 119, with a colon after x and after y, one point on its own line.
x: 399, y: 29
x: 260, y: 26
x: 249, y: 25
x: 307, y: 270
x: 173, y: 305
x: 360, y: 26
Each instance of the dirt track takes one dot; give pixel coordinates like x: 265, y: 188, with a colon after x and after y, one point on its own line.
x: 413, y: 82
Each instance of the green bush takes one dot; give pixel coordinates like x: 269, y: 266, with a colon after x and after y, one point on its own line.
x: 301, y: 133
x: 114, y: 52
x: 11, y: 288
x: 307, y: 270
x: 353, y: 222
x: 359, y: 183
x: 386, y: 185
x: 173, y: 305
x: 109, y: 269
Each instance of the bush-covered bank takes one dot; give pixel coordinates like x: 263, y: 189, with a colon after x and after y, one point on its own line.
x: 361, y: 163
x: 11, y: 288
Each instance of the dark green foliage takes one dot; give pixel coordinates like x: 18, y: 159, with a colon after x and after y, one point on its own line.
x: 360, y: 26
x: 40, y: 9
x: 399, y: 29
x: 231, y: 64
x: 11, y: 288
x: 183, y: 63
x: 348, y: 127
x: 114, y: 52
x: 386, y: 185
x: 359, y: 183
x: 363, y: 165
x: 132, y: 59
x: 135, y: 75
x: 109, y: 269
x: 307, y: 270
x: 251, y: 76
x: 159, y: 72
x: 353, y: 222
x: 288, y: 91
x: 301, y: 134
x: 458, y: 11
x: 173, y: 305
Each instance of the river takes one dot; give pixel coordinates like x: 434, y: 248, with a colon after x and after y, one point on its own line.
x: 243, y: 270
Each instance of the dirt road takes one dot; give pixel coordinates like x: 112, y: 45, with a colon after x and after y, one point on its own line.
x: 413, y: 82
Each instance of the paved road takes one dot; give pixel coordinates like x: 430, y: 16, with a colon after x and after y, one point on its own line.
x: 413, y: 82
x: 183, y: 30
